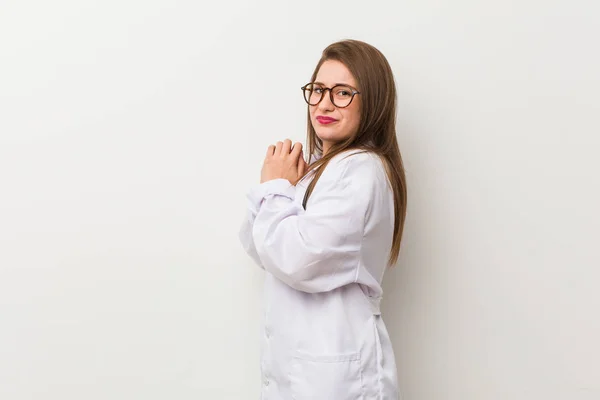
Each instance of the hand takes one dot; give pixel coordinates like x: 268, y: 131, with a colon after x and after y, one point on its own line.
x: 285, y: 162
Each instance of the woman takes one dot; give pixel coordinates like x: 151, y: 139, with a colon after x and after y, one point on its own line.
x: 326, y: 231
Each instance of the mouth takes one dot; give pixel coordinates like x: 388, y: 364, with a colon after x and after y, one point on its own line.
x: 325, y: 120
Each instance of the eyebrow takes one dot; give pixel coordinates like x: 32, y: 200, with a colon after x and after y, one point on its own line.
x: 336, y: 84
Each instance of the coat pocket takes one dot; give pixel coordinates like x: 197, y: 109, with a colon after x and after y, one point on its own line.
x: 326, y: 377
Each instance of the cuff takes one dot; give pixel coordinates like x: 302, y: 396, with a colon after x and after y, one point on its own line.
x: 281, y: 187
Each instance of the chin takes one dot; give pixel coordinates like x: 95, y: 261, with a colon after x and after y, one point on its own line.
x: 328, y: 136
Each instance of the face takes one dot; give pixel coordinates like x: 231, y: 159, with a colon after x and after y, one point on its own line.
x: 333, y: 124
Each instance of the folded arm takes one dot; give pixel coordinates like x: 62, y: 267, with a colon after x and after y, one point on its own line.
x: 317, y: 249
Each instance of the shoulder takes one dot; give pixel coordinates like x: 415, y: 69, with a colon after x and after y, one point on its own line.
x: 357, y: 166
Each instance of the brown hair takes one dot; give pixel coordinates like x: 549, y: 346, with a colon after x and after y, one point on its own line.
x: 377, y: 128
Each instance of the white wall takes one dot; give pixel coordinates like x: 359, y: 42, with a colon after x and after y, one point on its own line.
x: 130, y: 131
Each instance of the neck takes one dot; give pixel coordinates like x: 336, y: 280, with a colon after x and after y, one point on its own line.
x: 326, y: 147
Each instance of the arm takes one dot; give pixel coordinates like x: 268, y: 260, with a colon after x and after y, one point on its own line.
x: 317, y: 249
x: 254, y: 200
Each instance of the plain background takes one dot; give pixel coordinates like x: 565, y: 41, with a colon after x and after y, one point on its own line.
x: 131, y: 131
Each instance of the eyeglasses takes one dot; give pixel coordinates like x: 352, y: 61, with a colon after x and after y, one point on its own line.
x: 341, y: 95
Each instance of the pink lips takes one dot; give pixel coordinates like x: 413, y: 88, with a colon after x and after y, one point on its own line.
x: 325, y: 120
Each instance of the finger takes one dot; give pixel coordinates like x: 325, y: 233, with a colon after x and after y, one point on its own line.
x: 287, y: 145
x: 296, y: 150
x: 270, y: 150
x: 278, y: 147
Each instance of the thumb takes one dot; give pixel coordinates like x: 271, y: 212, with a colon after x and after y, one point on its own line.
x: 301, y: 164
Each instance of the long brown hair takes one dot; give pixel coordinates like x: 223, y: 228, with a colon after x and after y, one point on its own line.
x: 377, y: 129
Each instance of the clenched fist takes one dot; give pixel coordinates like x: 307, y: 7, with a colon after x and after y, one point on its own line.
x: 283, y: 161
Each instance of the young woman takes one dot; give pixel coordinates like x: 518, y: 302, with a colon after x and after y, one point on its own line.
x: 325, y: 232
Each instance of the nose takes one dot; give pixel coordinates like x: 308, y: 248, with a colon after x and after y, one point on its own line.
x: 326, y: 104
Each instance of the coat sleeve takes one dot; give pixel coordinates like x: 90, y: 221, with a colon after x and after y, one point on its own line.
x: 317, y: 249
x: 254, y: 199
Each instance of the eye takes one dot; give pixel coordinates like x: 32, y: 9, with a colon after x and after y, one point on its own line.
x: 317, y: 89
x: 344, y: 93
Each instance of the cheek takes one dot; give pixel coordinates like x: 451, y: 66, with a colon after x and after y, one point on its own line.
x: 352, y: 118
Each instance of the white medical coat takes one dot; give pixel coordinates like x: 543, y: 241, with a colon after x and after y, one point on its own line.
x: 324, y: 338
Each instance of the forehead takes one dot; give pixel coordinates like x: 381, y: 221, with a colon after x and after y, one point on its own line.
x: 333, y: 72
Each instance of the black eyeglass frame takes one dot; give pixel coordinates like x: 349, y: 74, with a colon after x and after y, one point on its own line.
x: 354, y: 93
